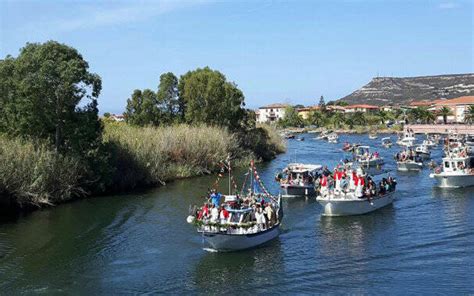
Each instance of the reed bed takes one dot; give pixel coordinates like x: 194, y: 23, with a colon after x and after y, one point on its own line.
x: 34, y: 175
x: 154, y: 155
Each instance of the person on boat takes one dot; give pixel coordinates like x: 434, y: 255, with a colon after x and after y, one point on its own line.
x: 224, y: 215
x: 344, y: 183
x: 215, y: 198
x: 326, y: 171
x: 214, y: 213
x: 270, y: 213
x: 323, y: 182
x: 260, y: 217
x: 359, y: 183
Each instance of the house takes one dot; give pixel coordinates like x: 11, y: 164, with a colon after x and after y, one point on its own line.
x: 361, y: 108
x: 271, y: 113
x: 336, y: 108
x: 306, y: 111
x: 420, y: 104
x: 459, y: 108
x: 117, y: 117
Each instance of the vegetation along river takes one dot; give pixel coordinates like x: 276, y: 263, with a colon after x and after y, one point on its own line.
x: 141, y: 242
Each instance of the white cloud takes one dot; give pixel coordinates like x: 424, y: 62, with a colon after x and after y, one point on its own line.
x: 95, y: 16
x: 447, y: 5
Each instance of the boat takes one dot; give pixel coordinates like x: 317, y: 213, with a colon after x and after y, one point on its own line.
x: 372, y: 136
x: 300, y: 139
x: 289, y: 136
x: 324, y: 135
x: 387, y: 142
x: 456, y: 171
x: 423, y: 151
x: 409, y: 165
x: 348, y: 202
x: 332, y: 138
x: 429, y: 143
x: 365, y: 158
x: 347, y: 147
x: 407, y: 139
x: 297, y: 179
x: 239, y: 231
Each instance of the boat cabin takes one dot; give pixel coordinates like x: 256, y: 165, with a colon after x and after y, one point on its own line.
x: 457, y: 164
x: 297, y: 173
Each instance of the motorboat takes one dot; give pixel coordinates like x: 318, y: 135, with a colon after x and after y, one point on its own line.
x: 347, y: 204
x: 457, y: 170
x: 323, y: 135
x: 365, y: 158
x: 409, y: 165
x: 423, y: 152
x: 289, y: 136
x: 429, y: 143
x: 298, y: 179
x: 300, y: 139
x: 387, y: 142
x: 332, y: 138
x: 372, y: 136
x: 347, y: 147
x: 239, y: 230
x: 406, y: 141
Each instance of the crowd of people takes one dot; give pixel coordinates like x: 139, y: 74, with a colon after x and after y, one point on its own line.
x: 407, y: 155
x: 236, y: 211
x: 344, y: 180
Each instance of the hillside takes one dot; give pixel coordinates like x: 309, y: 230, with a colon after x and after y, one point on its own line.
x: 396, y: 91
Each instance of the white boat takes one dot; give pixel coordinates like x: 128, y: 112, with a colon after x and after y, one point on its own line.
x: 406, y: 141
x: 387, y: 142
x: 423, y: 151
x: 346, y: 204
x: 457, y: 171
x: 298, y: 179
x: 239, y: 231
x: 428, y: 143
x: 332, y: 138
x: 323, y: 135
x: 409, y: 165
x: 372, y: 136
x: 366, y: 159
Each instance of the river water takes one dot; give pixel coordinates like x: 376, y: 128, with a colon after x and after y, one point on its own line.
x: 140, y: 243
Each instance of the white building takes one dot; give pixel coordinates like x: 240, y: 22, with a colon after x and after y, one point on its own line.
x: 271, y: 113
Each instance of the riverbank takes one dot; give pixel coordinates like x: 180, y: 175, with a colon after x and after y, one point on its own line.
x: 33, y: 175
x: 347, y: 130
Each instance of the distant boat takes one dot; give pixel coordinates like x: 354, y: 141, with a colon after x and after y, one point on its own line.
x: 409, y: 165
x: 387, y: 142
x: 372, y: 136
x: 332, y: 138
x: 297, y: 179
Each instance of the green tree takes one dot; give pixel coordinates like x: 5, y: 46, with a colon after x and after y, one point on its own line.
x: 445, y: 112
x: 41, y: 92
x: 106, y: 114
x: 322, y: 104
x: 291, y: 118
x: 338, y: 119
x: 469, y: 116
x: 142, y: 108
x: 317, y: 118
x: 383, y: 116
x: 358, y: 118
x: 207, y: 97
x: 168, y: 99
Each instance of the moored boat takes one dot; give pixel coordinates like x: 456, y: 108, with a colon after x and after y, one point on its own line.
x: 423, y: 152
x: 365, y: 158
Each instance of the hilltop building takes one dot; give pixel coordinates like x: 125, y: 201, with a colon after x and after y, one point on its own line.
x: 361, y: 108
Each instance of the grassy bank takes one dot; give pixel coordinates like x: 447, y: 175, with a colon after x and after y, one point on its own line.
x: 35, y: 175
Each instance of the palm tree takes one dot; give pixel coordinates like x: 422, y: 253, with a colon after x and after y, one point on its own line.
x: 358, y: 118
x: 317, y: 118
x: 383, y: 116
x: 445, y: 112
x: 338, y: 119
x: 429, y: 117
x: 469, y: 116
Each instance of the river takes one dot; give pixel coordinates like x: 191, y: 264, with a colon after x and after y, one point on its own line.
x: 141, y: 243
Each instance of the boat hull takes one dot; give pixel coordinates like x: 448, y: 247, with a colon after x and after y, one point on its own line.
x: 294, y: 190
x: 372, y: 162
x: 349, y: 207
x: 235, y: 242
x: 453, y: 181
x: 409, y: 166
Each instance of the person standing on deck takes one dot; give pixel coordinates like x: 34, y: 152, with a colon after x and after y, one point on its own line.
x: 215, y: 198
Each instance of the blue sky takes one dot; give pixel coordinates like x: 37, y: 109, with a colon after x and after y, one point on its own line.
x: 276, y: 51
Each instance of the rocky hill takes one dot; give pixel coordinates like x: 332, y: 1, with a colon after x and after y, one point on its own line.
x: 402, y: 90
